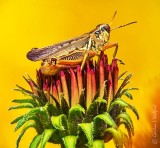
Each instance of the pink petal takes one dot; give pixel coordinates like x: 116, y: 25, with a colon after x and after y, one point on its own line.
x: 79, y: 79
x: 89, y: 87
x: 64, y: 86
x: 74, y: 89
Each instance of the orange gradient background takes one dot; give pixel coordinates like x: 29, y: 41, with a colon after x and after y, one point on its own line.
x: 37, y: 23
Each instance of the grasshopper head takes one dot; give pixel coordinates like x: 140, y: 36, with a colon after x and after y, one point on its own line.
x: 102, y: 33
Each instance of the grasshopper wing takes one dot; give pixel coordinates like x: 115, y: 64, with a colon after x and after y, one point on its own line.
x: 57, y: 50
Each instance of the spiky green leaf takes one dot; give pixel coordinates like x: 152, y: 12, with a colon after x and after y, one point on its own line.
x: 56, y: 102
x: 106, y: 118
x: 128, y: 127
x: 29, y: 79
x: 64, y: 106
x: 25, y: 127
x: 23, y: 90
x: 127, y: 141
x: 124, y: 104
x: 36, y: 141
x: 127, y: 118
x: 41, y: 98
x: 101, y: 122
x: 82, y: 100
x: 70, y: 141
x: 126, y: 93
x: 59, y: 122
x: 95, y: 108
x: 25, y: 105
x: 74, y: 118
x: 45, y: 137
x: 31, y: 101
x: 121, y: 75
x: 53, y: 111
x: 87, y: 129
x: 117, y: 136
x: 101, y: 105
x: 26, y: 117
x: 98, y: 144
x: 124, y: 83
x: 17, y: 119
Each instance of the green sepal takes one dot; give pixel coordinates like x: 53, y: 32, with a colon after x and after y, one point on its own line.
x: 95, y: 108
x: 117, y: 136
x: 128, y: 123
x: 106, y: 118
x: 35, y: 142
x: 70, y: 141
x: 31, y: 101
x: 124, y: 83
x: 25, y: 105
x: 64, y: 106
x: 41, y: 98
x: 59, y: 122
x: 98, y: 144
x: 100, y: 123
x: 21, y: 122
x: 17, y: 119
x: 46, y: 136
x: 123, y: 104
x: 87, y: 129
x: 45, y: 117
x: 121, y: 75
x: 101, y: 105
x: 23, y: 90
x: 126, y: 93
x: 58, y: 106
x: 25, y: 127
x: 82, y: 100
x: 52, y: 110
x: 28, y: 116
x: 127, y: 141
x: 75, y: 117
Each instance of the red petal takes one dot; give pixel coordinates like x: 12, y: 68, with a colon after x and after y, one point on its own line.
x: 89, y: 87
x: 74, y: 89
x: 58, y: 84
x: 64, y: 86
x: 101, y: 79
x: 55, y: 93
x: 79, y: 80
x: 93, y: 80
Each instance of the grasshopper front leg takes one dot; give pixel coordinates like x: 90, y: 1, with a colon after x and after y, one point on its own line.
x: 84, y: 59
x: 88, y: 55
x: 110, y: 45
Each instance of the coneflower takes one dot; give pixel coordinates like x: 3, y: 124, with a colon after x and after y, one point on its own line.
x: 78, y: 108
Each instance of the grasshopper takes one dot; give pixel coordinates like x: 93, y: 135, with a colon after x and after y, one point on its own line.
x: 75, y: 51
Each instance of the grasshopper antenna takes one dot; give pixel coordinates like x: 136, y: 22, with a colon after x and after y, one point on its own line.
x: 124, y: 25
x: 113, y: 18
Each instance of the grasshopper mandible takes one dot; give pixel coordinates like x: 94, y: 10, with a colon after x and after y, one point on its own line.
x: 75, y: 51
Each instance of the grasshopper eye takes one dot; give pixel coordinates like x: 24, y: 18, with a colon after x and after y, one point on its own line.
x: 106, y: 28
x: 97, y: 32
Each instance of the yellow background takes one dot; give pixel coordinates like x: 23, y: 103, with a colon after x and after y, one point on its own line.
x: 25, y: 24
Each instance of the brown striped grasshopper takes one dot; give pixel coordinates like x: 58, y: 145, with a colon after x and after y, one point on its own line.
x: 75, y: 51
